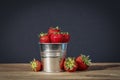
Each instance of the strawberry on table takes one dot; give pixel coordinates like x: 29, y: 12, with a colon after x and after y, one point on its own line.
x: 53, y: 30
x: 36, y: 65
x: 62, y: 63
x: 56, y: 38
x: 44, y: 38
x: 83, y: 62
x: 70, y: 64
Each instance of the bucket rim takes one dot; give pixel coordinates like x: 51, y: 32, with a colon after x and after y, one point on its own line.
x: 52, y: 43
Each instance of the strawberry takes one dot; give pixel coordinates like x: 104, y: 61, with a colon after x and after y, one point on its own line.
x: 36, y: 65
x: 52, y: 30
x: 66, y: 37
x: 56, y: 38
x: 62, y: 63
x: 44, y: 38
x: 83, y: 62
x: 70, y: 64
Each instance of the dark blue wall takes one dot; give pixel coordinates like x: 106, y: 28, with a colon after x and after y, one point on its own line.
x: 94, y: 27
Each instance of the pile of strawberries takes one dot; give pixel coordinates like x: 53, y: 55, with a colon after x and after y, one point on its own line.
x: 54, y: 35
x: 69, y: 64
x: 72, y: 64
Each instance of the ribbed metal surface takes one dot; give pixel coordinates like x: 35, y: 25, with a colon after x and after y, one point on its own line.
x: 51, y: 55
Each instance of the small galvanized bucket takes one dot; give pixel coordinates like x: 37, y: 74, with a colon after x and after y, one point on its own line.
x: 51, y: 55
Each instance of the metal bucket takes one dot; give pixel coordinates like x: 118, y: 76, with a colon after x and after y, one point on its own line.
x: 51, y: 55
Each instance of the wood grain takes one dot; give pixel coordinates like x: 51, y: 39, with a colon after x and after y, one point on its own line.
x: 97, y: 71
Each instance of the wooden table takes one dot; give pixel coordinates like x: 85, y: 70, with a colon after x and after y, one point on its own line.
x: 97, y: 71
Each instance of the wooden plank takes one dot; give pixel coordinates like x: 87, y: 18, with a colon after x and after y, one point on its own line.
x: 97, y: 71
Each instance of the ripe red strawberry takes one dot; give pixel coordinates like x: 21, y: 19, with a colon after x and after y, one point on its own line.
x: 66, y: 37
x: 36, y: 65
x: 70, y: 64
x: 83, y: 62
x: 52, y: 30
x: 44, y: 38
x: 62, y: 63
x: 56, y: 38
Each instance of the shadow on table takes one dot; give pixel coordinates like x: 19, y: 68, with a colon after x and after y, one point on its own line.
x: 103, y: 67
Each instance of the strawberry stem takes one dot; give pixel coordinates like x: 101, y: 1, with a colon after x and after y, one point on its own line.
x: 33, y: 64
x: 70, y: 62
x: 57, y: 27
x: 86, y: 59
x: 67, y: 33
x: 42, y: 34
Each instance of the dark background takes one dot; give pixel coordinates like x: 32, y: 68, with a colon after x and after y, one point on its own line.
x: 94, y: 27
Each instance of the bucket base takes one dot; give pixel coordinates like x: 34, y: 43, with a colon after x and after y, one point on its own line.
x: 51, y: 64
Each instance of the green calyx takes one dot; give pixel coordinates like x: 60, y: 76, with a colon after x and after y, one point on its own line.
x: 42, y: 34
x: 86, y: 60
x: 33, y: 64
x: 57, y: 33
x: 57, y: 27
x: 64, y: 33
x: 70, y: 63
